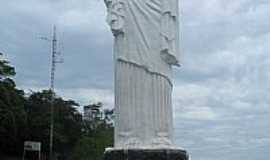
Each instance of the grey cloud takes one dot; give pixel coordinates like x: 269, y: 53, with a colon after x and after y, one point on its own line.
x: 82, y: 29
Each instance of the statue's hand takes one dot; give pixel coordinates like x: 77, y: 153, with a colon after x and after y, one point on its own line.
x: 169, y: 58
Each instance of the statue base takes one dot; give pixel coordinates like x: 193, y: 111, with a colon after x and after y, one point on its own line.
x: 146, y: 154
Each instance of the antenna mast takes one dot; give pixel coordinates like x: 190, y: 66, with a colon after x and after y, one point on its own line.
x: 54, y: 61
x: 53, y: 64
x: 53, y: 67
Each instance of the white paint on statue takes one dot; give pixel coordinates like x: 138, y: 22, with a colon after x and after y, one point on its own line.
x: 146, y: 46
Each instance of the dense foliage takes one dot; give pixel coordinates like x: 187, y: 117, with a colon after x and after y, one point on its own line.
x: 28, y: 118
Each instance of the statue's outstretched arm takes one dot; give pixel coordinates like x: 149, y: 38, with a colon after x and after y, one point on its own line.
x: 170, y: 32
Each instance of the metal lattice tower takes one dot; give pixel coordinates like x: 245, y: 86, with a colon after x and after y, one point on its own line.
x: 54, y: 61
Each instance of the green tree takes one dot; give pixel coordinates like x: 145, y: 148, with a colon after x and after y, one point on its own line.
x: 5, y: 69
x: 12, y: 113
x: 67, y: 122
x: 97, y: 134
x: 28, y: 118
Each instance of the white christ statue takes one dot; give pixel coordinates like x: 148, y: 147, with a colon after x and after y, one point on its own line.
x: 146, y: 45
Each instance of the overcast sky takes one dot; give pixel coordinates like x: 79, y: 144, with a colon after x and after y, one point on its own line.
x: 221, y: 96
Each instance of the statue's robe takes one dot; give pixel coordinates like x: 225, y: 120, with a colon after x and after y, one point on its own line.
x: 146, y: 47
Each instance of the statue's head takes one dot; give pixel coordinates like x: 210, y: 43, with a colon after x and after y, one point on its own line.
x: 108, y: 2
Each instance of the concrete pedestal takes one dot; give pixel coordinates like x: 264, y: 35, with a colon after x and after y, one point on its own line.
x: 146, y: 154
